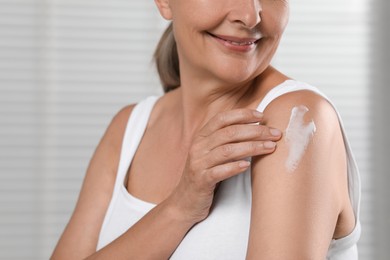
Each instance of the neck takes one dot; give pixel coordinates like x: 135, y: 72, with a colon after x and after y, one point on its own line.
x: 201, y: 98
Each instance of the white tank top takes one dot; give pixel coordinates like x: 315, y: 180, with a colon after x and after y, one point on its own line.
x: 224, y: 233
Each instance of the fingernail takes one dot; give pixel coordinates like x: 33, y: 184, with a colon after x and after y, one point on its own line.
x: 269, y: 144
x: 258, y: 114
x: 244, y: 164
x: 275, y: 132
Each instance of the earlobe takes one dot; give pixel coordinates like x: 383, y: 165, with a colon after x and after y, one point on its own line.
x: 164, y: 8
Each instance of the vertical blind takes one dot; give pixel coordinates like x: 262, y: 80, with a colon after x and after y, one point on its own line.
x: 67, y: 66
x: 326, y: 44
x: 380, y: 122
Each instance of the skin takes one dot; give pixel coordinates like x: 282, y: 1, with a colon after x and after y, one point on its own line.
x: 208, y: 123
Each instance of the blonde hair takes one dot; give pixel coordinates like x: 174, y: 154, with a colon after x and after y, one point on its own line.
x: 167, y: 60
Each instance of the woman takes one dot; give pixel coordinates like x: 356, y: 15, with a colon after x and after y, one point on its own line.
x: 206, y: 179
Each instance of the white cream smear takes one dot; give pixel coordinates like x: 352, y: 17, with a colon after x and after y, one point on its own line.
x: 298, y: 135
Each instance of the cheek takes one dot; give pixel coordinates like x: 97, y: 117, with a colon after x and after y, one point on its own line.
x: 198, y: 13
x: 275, y: 18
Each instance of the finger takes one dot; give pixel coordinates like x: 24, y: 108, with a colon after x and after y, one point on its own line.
x: 237, y: 151
x: 236, y: 116
x: 227, y: 170
x: 241, y: 133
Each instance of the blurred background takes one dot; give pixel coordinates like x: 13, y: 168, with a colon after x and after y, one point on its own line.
x: 67, y: 66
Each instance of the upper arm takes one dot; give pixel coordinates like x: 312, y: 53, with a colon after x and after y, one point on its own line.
x: 295, y: 193
x: 81, y: 234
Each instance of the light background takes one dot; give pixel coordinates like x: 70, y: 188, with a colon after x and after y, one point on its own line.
x: 67, y: 66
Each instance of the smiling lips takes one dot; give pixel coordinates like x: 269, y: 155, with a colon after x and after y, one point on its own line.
x: 235, y: 43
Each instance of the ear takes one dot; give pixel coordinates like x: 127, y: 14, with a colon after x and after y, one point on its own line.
x: 164, y: 8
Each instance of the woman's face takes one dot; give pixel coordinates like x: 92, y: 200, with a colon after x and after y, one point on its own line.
x: 231, y: 40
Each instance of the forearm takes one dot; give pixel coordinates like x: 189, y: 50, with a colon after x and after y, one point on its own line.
x: 155, y: 236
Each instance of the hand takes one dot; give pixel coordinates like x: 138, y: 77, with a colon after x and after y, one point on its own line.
x: 217, y: 153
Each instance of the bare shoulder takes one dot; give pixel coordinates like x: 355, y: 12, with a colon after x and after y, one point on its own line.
x: 311, y: 134
x: 296, y: 189
x: 113, y: 136
x: 107, y: 152
x: 310, y: 126
x: 279, y: 111
x: 308, y: 121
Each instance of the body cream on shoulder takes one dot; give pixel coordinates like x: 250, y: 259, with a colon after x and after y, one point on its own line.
x: 298, y: 134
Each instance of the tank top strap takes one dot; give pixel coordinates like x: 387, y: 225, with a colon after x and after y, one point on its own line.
x: 284, y: 88
x: 134, y: 132
x: 353, y: 172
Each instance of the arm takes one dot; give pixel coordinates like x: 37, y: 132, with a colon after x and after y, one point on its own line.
x: 297, y: 200
x: 80, y: 235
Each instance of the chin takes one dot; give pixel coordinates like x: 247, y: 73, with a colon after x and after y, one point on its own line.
x: 236, y: 75
x: 235, y: 79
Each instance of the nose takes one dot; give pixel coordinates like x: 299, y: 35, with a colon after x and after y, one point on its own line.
x: 246, y: 12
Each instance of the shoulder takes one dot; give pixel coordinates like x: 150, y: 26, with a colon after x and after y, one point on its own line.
x: 311, y: 130
x: 280, y: 110
x: 117, y: 126
x: 300, y: 110
x: 107, y: 152
x: 113, y: 136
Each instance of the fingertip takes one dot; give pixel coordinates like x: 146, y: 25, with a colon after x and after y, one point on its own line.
x: 257, y: 114
x: 244, y: 164
x: 269, y: 145
x: 275, y: 132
